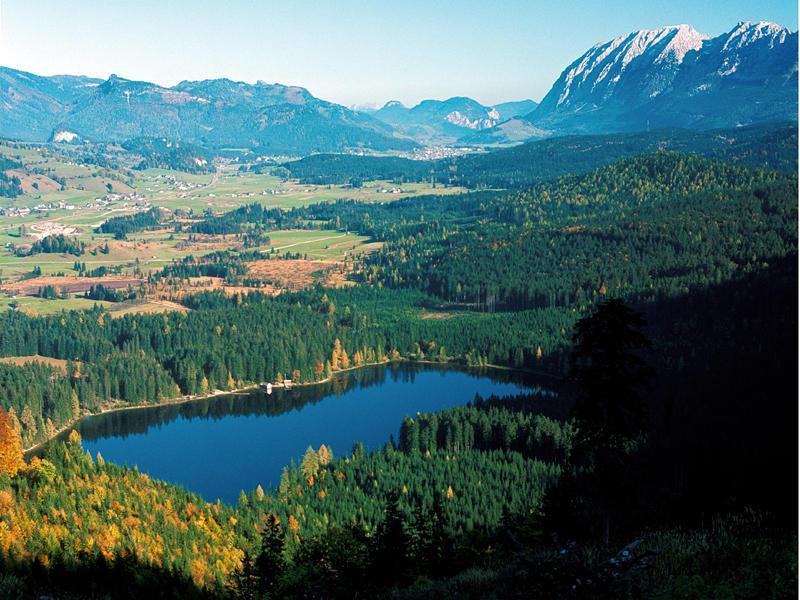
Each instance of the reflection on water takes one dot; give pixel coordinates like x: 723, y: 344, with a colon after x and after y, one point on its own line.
x: 220, y: 445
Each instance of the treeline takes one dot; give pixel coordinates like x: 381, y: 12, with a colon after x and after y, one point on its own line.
x: 254, y: 215
x: 158, y: 153
x: 121, y: 226
x: 57, y: 244
x: 107, y: 294
x: 770, y: 146
x: 41, y: 399
x: 10, y: 185
x: 474, y: 488
x: 225, y: 342
x: 325, y: 169
x: 487, y: 426
x: 222, y: 263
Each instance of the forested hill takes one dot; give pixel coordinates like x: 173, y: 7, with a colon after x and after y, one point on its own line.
x: 769, y: 146
x: 464, y: 500
x: 655, y: 226
x: 658, y: 223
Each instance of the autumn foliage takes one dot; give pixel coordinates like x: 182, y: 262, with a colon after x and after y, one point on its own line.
x: 104, y: 512
x: 10, y: 447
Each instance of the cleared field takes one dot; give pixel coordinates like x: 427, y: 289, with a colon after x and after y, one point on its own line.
x: 80, y: 203
x: 229, y: 189
x: 315, y: 244
x: 147, y: 307
x: 19, y: 361
x: 434, y: 314
x: 28, y: 287
x: 151, y: 253
x: 290, y: 274
x: 34, y: 306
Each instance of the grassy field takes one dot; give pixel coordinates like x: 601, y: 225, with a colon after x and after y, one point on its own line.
x: 58, y: 363
x: 75, y: 196
x: 231, y: 189
x: 316, y: 244
x: 34, y: 306
x: 144, y: 307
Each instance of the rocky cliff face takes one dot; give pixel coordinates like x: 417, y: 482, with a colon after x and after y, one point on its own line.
x: 675, y: 76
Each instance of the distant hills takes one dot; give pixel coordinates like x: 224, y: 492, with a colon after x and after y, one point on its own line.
x: 30, y: 105
x: 448, y: 121
x: 649, y: 79
x: 216, y: 114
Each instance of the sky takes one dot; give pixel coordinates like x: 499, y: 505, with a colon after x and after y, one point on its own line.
x: 347, y: 51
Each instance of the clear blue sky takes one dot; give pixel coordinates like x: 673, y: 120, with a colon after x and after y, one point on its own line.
x: 348, y: 51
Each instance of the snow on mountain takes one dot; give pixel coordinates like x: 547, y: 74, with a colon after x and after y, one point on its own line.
x: 676, y: 76
x: 655, y: 54
x: 446, y: 121
x: 747, y: 33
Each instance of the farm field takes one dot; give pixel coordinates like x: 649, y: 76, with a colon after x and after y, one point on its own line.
x: 34, y: 306
x: 230, y: 189
x: 317, y: 244
x: 73, y: 198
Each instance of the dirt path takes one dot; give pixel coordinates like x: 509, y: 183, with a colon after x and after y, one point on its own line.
x: 331, y: 237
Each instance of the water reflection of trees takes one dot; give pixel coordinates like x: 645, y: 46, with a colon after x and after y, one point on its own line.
x: 258, y: 403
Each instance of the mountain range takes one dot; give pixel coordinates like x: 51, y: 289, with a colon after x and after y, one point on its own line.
x: 218, y: 113
x: 448, y: 121
x: 668, y: 77
x: 676, y: 77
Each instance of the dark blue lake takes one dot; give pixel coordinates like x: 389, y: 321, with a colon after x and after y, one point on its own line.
x: 221, y: 445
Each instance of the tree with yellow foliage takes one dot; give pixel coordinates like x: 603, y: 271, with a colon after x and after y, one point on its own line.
x: 76, y: 405
x: 294, y: 524
x: 337, y: 349
x: 10, y: 447
x: 325, y: 455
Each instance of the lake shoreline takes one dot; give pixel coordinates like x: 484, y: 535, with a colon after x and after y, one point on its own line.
x: 186, y: 399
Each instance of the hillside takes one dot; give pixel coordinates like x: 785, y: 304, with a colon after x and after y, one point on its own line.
x: 469, y: 490
x: 30, y: 105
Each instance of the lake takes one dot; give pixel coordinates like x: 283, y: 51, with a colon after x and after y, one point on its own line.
x: 222, y: 445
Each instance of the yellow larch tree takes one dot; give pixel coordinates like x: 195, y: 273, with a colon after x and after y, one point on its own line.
x: 10, y: 447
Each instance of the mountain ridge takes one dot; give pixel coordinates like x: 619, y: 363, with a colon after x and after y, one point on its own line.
x: 447, y: 121
x: 675, y: 76
x: 215, y: 113
x: 672, y: 76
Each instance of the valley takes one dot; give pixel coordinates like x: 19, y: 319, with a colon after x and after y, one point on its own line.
x: 73, y: 198
x: 257, y: 344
